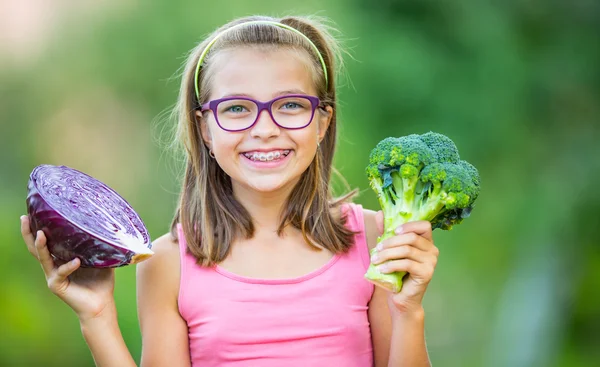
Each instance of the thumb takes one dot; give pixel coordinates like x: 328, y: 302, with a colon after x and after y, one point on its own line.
x: 379, y: 221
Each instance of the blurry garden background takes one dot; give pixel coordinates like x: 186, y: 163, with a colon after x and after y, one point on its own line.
x: 516, y: 84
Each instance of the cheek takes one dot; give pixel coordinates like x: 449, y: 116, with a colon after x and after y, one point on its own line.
x: 311, y: 139
x: 221, y: 140
x: 307, y: 144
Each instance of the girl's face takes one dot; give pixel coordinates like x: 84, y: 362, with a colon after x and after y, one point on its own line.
x: 263, y: 75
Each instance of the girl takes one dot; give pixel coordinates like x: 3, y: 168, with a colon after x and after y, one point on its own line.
x: 262, y: 267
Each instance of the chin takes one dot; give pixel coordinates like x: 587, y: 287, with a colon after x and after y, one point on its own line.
x: 266, y: 187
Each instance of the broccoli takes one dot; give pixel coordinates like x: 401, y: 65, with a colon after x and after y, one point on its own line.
x: 419, y: 177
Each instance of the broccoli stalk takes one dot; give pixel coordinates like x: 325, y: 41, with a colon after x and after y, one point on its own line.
x: 419, y: 177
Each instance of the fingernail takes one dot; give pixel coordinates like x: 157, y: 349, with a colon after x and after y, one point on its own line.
x: 73, y: 261
x: 399, y: 230
x: 374, y: 258
x: 379, y: 246
x: 382, y: 268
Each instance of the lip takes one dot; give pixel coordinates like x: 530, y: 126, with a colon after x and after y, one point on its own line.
x: 265, y: 164
x: 264, y: 150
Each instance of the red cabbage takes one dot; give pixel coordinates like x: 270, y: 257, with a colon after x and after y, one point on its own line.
x: 84, y: 218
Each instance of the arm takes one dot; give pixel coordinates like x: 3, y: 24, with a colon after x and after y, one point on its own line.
x: 397, y: 322
x: 164, y: 332
x: 105, y: 341
x: 89, y: 292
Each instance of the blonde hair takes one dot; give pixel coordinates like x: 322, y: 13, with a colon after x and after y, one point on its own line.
x: 210, y: 215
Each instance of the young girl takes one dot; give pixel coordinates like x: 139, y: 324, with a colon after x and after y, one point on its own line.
x: 262, y: 267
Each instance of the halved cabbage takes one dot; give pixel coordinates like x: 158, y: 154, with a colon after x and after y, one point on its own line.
x: 84, y: 218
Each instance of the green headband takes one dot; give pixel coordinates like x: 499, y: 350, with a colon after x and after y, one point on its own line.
x: 205, y: 51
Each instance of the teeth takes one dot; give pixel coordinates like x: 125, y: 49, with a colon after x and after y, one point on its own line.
x: 264, y: 157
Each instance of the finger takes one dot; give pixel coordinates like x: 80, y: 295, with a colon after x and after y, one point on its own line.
x: 43, y: 253
x: 27, y: 235
x: 421, y: 227
x: 379, y: 221
x: 414, y: 268
x: 410, y: 238
x: 58, y: 282
x: 67, y: 269
x: 401, y: 252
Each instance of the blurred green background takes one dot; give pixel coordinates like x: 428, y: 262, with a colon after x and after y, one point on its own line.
x: 516, y: 84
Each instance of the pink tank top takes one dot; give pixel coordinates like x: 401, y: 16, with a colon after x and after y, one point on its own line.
x: 318, y: 319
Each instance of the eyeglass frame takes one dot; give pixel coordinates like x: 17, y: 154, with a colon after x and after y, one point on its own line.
x: 212, y: 106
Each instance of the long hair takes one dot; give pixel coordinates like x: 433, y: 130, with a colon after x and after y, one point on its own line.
x: 210, y: 215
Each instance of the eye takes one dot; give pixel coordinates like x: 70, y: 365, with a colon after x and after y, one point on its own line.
x: 291, y: 105
x: 236, y: 109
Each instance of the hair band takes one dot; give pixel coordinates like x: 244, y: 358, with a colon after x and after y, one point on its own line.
x: 280, y: 25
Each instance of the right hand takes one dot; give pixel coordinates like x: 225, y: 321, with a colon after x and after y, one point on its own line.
x: 88, y: 291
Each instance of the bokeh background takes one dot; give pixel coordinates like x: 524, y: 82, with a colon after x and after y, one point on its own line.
x: 516, y: 84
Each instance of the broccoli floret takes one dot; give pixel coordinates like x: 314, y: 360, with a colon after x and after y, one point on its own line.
x: 444, y: 148
x: 419, y: 177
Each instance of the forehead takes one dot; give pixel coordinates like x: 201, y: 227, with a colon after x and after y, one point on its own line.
x: 261, y: 72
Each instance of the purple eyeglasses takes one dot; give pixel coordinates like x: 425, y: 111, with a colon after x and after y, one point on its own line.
x: 292, y: 111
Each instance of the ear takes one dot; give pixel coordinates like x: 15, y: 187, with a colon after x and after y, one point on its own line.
x: 324, y: 121
x: 204, y: 130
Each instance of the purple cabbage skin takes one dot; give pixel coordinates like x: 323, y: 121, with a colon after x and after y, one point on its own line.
x: 84, y: 218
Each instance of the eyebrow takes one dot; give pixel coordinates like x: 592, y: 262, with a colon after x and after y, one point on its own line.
x: 280, y: 93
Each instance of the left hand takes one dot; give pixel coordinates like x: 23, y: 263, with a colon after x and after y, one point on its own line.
x: 412, y: 251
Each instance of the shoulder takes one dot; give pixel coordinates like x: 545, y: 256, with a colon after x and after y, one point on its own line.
x: 162, y: 269
x: 165, y: 248
x: 371, y: 227
x: 373, y: 223
x: 165, y: 243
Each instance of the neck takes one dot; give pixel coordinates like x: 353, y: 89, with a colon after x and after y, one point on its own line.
x: 265, y: 208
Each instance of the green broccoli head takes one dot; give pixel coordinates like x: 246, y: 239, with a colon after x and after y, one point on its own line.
x: 420, y: 177
x: 443, y: 147
x: 381, y: 154
x: 474, y: 179
x: 410, y: 150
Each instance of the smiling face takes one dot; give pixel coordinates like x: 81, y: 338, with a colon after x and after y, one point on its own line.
x: 264, y: 158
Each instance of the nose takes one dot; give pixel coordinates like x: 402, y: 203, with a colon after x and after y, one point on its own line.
x: 264, y: 127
